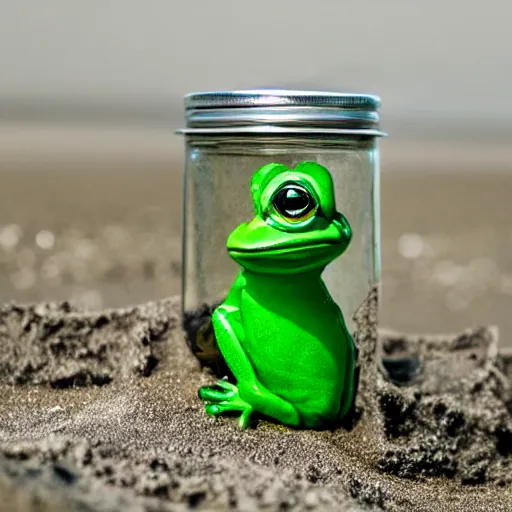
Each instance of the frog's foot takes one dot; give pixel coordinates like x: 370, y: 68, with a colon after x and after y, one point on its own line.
x: 225, y: 398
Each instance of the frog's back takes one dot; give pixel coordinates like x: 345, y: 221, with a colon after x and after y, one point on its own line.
x: 296, y: 342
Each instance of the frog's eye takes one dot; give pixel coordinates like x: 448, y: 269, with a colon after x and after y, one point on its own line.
x: 294, y: 203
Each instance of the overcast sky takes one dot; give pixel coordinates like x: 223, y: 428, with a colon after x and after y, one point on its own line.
x: 432, y: 62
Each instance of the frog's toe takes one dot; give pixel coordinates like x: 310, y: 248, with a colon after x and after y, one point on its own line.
x: 224, y: 384
x: 230, y: 408
x: 221, y: 408
x: 221, y: 391
x: 213, y: 394
x: 245, y: 418
x: 214, y: 409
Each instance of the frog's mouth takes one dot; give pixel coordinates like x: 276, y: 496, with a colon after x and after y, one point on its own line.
x: 259, y: 247
x: 284, y: 248
x: 287, y: 259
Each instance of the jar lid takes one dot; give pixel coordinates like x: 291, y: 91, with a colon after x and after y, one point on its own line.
x: 276, y: 111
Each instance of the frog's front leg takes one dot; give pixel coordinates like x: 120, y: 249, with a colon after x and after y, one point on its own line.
x: 249, y: 395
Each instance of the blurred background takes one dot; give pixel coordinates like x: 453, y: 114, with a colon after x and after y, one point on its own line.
x: 90, y: 169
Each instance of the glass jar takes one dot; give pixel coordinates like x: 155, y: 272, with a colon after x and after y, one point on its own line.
x: 229, y: 136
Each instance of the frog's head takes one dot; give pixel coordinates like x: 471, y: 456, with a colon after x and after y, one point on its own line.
x: 296, y: 228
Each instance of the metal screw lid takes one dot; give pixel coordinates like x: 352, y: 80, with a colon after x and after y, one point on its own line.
x: 281, y: 111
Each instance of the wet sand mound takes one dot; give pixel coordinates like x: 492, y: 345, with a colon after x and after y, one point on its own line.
x: 431, y: 429
x: 455, y: 420
x: 57, y: 345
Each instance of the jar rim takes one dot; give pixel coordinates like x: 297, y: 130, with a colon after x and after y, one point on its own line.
x: 280, y: 97
x: 280, y: 110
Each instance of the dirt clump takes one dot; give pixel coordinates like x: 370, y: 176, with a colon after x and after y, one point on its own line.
x: 58, y: 345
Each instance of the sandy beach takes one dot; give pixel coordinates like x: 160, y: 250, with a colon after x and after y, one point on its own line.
x: 99, y: 406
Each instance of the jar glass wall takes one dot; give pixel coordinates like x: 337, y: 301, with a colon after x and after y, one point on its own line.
x: 217, y: 199
x: 230, y: 136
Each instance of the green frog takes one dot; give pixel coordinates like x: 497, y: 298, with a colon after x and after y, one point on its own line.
x: 280, y: 332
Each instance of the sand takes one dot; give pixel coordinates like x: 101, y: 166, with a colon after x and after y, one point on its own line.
x: 100, y: 412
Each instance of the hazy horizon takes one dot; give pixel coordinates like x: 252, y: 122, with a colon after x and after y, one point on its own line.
x: 441, y: 68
